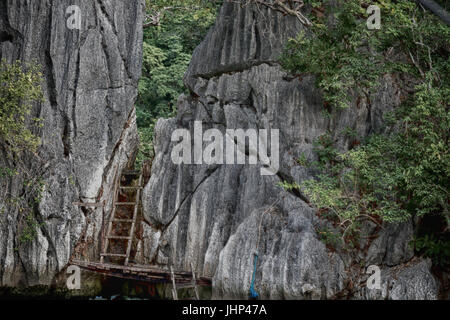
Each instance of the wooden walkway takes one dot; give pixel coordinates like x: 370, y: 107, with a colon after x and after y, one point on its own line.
x: 119, y: 264
x: 142, y: 273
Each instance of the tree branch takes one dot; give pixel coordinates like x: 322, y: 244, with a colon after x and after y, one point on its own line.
x: 154, y: 19
x: 280, y: 6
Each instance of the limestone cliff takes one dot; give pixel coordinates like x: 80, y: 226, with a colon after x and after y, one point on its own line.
x: 215, y: 216
x: 89, y: 125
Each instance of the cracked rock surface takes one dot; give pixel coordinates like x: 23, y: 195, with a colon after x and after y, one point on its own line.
x: 217, y: 216
x: 89, y: 131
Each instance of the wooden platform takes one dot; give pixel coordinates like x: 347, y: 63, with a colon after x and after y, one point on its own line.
x: 116, y: 263
x: 141, y: 273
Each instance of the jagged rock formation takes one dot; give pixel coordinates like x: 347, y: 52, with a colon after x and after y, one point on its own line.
x: 214, y: 215
x: 89, y: 128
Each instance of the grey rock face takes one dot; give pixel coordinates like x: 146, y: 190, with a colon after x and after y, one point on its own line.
x: 89, y: 132
x: 409, y: 281
x: 218, y: 216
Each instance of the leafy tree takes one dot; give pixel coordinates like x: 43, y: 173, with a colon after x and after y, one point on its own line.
x: 156, y: 10
x: 403, y: 172
x: 20, y: 86
x: 167, y: 50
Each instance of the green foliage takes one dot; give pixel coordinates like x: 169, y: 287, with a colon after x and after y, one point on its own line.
x: 302, y: 160
x: 391, y: 176
x: 7, y: 172
x: 166, y: 54
x: 334, y: 55
x: 324, y: 148
x: 29, y: 229
x: 26, y: 205
x: 146, y: 144
x: 405, y: 171
x: 349, y: 132
x: 348, y: 59
x: 19, y: 88
x: 437, y: 249
x: 288, y: 185
x: 153, y: 7
x: 329, y: 237
x: 167, y: 50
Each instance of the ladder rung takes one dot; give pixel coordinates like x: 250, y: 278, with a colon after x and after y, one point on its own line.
x: 119, y: 237
x: 114, y: 254
x: 121, y: 220
x: 125, y: 203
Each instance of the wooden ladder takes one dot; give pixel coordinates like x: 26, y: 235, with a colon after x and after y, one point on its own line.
x: 129, y: 238
x: 193, y: 285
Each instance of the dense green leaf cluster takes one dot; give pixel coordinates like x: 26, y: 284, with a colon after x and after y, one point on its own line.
x: 404, y: 172
x: 167, y: 50
x: 20, y: 86
x: 436, y: 248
